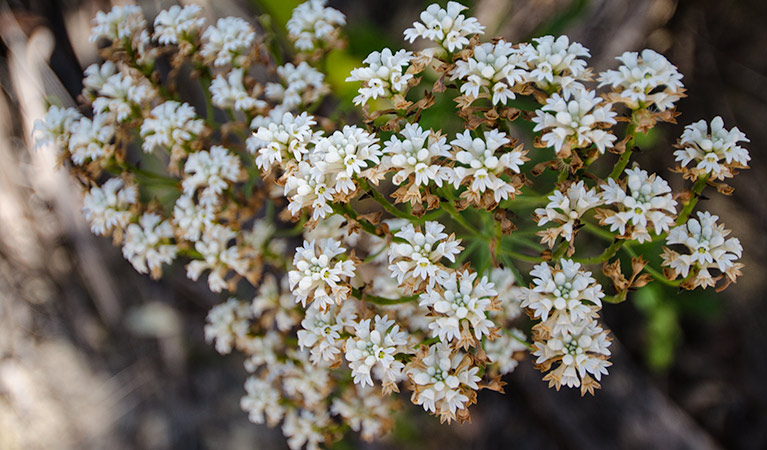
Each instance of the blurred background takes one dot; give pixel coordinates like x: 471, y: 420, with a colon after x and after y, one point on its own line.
x: 94, y: 355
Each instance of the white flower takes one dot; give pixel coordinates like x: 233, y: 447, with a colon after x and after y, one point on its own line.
x: 365, y: 410
x: 415, y: 154
x: 649, y: 202
x: 645, y: 80
x: 307, y: 187
x: 304, y: 427
x: 264, y: 352
x: 171, y: 125
x: 228, y: 42
x: 217, y: 256
x: 321, y: 331
x: 555, y: 62
x: 566, y: 209
x: 575, y: 123
x: 176, y: 24
x: 120, y: 23
x: 344, y: 154
x: 384, y: 75
x: 481, y: 168
x: 108, y: 207
x: 274, y: 304
x: 229, y: 92
x: 228, y: 324
x: 709, y: 248
x: 147, y: 244
x: 502, y: 349
x: 716, y: 152
x: 444, y: 381
x: 493, y: 70
x: 96, y: 77
x: 312, y: 24
x: 121, y: 94
x: 318, y: 276
x: 416, y: 260
x: 212, y: 171
x: 300, y: 85
x: 580, y: 354
x: 376, y: 348
x: 262, y: 401
x: 448, y: 28
x: 192, y: 219
x: 91, y: 140
x: 457, y: 299
x: 565, y: 292
x: 287, y: 137
x: 305, y: 383
x: 56, y: 126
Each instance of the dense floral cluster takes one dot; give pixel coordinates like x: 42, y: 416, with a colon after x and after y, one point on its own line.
x: 381, y: 256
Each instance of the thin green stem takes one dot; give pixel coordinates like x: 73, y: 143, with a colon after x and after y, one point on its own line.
x: 357, y: 293
x: 623, y: 161
x: 697, y: 189
x: 391, y: 209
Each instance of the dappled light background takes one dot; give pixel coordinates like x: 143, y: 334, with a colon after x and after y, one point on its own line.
x: 94, y: 355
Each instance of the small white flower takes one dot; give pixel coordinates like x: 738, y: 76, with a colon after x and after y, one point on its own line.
x: 171, y: 125
x: 313, y: 24
x: 344, y: 154
x: 228, y: 324
x: 307, y: 187
x: 321, y: 331
x: 417, y: 260
x: 96, y: 77
x: 304, y: 427
x: 318, y: 276
x: 91, y: 140
x: 229, y: 92
x: 299, y: 85
x: 555, y: 62
x: 121, y: 95
x: 147, y: 244
x: 274, y: 305
x: 709, y: 248
x: 565, y: 209
x: 460, y: 298
x: 501, y: 351
x: 287, y: 137
x: 56, y: 126
x: 481, y: 164
x: 447, y: 27
x: 493, y: 70
x: 384, y: 75
x: 120, y: 23
x: 192, y: 219
x: 262, y: 401
x: 509, y: 295
x: 217, y: 256
x: 365, y: 410
x: 415, y: 154
x: 108, y: 207
x: 645, y: 80
x: 716, y: 151
x: 575, y: 123
x: 648, y: 202
x: 376, y: 348
x: 443, y: 381
x: 228, y: 43
x: 176, y: 24
x: 212, y: 171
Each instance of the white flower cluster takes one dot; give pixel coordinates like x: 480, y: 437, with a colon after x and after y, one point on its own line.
x: 648, y: 202
x: 148, y: 244
x: 228, y: 325
x: 319, y: 277
x: 177, y: 25
x: 715, y: 150
x: 415, y: 156
x: 300, y: 84
x: 109, y: 207
x: 492, y: 71
x: 211, y: 171
x: 228, y: 43
x: 91, y: 140
x: 274, y: 306
x: 121, y: 95
x: 708, y: 247
x: 171, y: 125
x: 461, y: 304
x: 445, y: 381
x: 385, y: 76
x: 567, y: 299
x: 374, y: 349
x: 482, y: 165
x: 447, y: 27
x: 228, y: 91
x: 565, y: 209
x: 218, y: 257
x: 286, y: 137
x: 644, y: 80
x: 416, y: 260
x: 121, y: 23
x: 554, y: 63
x: 575, y: 123
x: 321, y: 331
x: 314, y: 25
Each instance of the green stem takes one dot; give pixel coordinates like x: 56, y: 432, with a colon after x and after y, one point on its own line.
x: 607, y: 254
x: 626, y: 155
x: 356, y: 293
x: 448, y: 206
x: 658, y: 276
x: 697, y: 189
x: 391, y: 209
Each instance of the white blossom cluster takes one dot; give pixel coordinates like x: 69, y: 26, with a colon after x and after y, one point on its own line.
x: 413, y: 273
x: 566, y: 299
x: 713, y: 149
x: 708, y: 247
x: 644, y: 202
